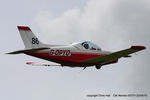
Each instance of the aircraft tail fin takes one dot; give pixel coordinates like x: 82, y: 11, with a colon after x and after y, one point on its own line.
x: 29, y: 39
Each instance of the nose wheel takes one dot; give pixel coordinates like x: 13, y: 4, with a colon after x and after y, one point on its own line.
x: 98, y: 66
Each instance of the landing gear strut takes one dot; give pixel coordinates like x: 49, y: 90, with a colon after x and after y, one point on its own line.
x: 98, y: 66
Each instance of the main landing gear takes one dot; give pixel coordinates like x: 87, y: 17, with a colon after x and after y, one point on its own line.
x: 98, y: 66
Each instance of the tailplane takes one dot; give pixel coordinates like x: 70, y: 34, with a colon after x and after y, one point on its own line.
x: 29, y: 39
x: 27, y: 51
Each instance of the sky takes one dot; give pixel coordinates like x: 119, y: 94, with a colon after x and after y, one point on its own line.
x: 112, y: 24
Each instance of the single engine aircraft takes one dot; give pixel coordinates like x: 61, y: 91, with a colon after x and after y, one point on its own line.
x: 83, y: 54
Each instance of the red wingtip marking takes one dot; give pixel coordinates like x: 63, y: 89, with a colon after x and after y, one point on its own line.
x: 138, y: 47
x: 29, y: 63
x: 25, y: 28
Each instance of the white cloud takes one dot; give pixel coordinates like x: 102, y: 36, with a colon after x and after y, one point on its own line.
x: 101, y: 21
x: 95, y: 23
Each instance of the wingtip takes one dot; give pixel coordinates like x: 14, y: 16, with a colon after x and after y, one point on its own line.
x: 29, y: 63
x: 138, y: 47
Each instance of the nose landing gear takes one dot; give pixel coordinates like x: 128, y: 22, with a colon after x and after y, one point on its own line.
x: 98, y: 66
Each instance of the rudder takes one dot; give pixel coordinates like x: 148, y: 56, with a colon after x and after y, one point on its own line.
x: 29, y: 39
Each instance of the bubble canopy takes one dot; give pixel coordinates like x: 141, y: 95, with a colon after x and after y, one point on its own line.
x: 89, y: 45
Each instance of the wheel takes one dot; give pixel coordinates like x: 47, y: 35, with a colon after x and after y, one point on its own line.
x: 98, y: 66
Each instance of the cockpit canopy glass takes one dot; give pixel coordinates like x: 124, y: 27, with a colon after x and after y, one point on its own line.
x: 90, y: 46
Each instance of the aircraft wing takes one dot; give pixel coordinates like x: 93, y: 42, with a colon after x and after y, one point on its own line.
x: 116, y: 55
x: 40, y: 64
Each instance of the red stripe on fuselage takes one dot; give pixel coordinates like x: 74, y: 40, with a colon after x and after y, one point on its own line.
x: 73, y: 58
